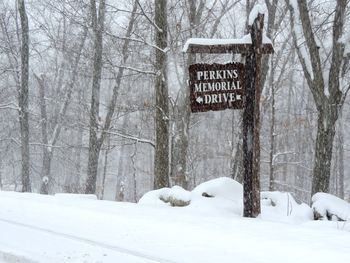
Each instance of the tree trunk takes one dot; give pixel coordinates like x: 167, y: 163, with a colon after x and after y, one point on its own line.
x: 120, y: 186
x: 323, y: 152
x: 94, y: 142
x: 161, y: 159
x: 179, y: 147
x: 329, y: 104
x: 272, y: 184
x: 105, y: 168
x: 340, y: 186
x: 23, y: 93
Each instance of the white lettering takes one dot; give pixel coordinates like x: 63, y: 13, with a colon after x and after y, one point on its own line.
x: 206, y: 75
x: 199, y: 75
x: 198, y: 87
x: 207, y: 99
x: 212, y: 74
x: 223, y: 86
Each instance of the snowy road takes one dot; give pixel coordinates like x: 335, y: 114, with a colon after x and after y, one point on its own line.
x: 67, y: 245
x: 64, y: 229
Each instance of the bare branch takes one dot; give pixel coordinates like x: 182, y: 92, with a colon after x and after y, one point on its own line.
x: 150, y: 20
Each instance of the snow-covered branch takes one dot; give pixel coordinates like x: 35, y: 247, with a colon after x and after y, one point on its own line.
x: 136, y: 70
x: 10, y: 105
x: 138, y: 41
x: 133, y: 138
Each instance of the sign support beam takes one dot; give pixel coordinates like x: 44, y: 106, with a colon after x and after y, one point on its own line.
x: 251, y: 124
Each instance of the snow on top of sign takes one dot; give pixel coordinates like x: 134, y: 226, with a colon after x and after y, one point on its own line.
x: 246, y: 39
x: 257, y: 9
x: 216, y: 41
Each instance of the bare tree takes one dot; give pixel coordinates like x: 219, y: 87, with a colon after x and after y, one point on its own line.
x: 328, y: 94
x: 95, y: 142
x: 161, y: 160
x: 98, y: 20
x: 23, y: 97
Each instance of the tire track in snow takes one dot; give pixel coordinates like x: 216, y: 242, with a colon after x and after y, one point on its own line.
x: 92, y: 242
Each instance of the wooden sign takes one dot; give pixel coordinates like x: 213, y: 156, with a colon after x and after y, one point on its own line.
x: 216, y: 86
x: 209, y: 93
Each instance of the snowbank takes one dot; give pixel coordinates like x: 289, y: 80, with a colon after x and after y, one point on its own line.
x: 218, y: 196
x: 327, y: 206
x: 44, y: 230
x: 222, y: 196
x: 75, y: 196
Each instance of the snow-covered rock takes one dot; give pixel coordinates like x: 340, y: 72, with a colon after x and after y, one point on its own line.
x: 175, y: 196
x: 223, y: 187
x: 217, y: 196
x: 281, y: 206
x: 327, y: 206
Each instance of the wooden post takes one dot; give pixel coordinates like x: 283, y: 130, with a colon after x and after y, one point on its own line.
x: 251, y: 123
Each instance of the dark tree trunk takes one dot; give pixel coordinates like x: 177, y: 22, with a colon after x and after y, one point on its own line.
x: 23, y: 93
x: 272, y: 183
x: 94, y: 142
x: 161, y: 159
x: 323, y: 151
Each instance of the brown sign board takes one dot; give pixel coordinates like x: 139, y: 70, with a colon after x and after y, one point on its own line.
x: 215, y: 87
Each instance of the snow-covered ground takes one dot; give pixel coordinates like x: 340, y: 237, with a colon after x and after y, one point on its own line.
x: 68, y: 228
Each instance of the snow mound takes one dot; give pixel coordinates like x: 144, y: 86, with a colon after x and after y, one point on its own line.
x: 281, y: 206
x: 327, y: 206
x: 218, y: 196
x: 224, y: 196
x: 175, y: 196
x: 222, y: 187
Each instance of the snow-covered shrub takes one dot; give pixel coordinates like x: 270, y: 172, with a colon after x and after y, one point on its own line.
x: 327, y: 206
